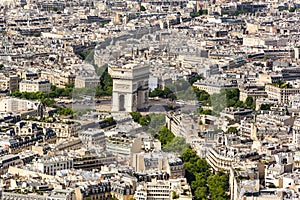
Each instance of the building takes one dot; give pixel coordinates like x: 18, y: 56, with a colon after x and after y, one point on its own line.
x: 86, y: 82
x: 142, y: 162
x: 130, y: 87
x: 296, y: 132
x: 15, y: 105
x: 51, y: 164
x: 123, y: 146
x: 218, y: 159
x: 9, y: 83
x: 99, y: 190
x: 282, y: 94
x: 62, y: 130
x: 236, y: 113
x: 182, y: 125
x: 92, y: 137
x: 215, y: 84
x: 255, y: 94
x: 35, y: 86
x: 90, y: 162
x: 9, y: 160
x: 156, y: 189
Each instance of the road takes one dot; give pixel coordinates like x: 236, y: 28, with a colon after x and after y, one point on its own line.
x: 160, y: 105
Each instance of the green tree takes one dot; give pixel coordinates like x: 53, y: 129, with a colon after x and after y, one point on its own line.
x: 218, y: 186
x: 250, y: 103
x: 201, y: 193
x: 239, y: 104
x: 164, y: 136
x: 36, y: 35
x: 201, y: 94
x: 142, y: 9
x: 165, y: 93
x: 142, y: 120
x: 195, y: 78
x: 109, y: 119
x: 203, y: 183
x: 157, y: 120
x: 265, y: 106
x: 136, y: 116
x: 65, y: 111
x: 174, y: 195
x: 292, y: 9
x: 232, y: 130
x: 178, y: 145
x: 189, y: 155
x: 145, y: 120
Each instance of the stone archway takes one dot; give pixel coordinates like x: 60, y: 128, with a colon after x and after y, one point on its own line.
x: 122, y: 102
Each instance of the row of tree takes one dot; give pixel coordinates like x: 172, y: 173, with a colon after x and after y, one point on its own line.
x: 103, y: 89
x: 204, y: 184
x: 165, y: 136
x: 139, y: 118
x: 219, y: 101
x: 163, y: 93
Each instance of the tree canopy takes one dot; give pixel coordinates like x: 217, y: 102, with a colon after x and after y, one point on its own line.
x: 165, y: 136
x: 204, y: 183
x: 142, y: 120
x: 177, y: 144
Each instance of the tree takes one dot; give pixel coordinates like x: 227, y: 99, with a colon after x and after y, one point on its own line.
x: 136, y: 116
x: 189, y: 155
x: 145, y: 120
x: 232, y: 130
x: 250, y: 103
x: 174, y: 195
x: 194, y: 77
x: 1, y: 66
x: 54, y: 9
x: 164, y: 136
x: 65, y: 111
x: 156, y: 122
x: 142, y: 120
x: 265, y: 106
x: 109, y: 119
x: 239, y: 104
x: 292, y: 9
x: 203, y: 183
x: 218, y: 186
x: 142, y: 9
x: 201, y: 193
x: 165, y: 93
x: 201, y: 94
x: 178, y: 145
x: 37, y: 34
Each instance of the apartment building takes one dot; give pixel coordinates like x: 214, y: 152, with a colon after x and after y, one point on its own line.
x: 86, y: 82
x: 90, y: 162
x: 215, y: 84
x: 255, y: 94
x: 62, y: 130
x: 35, y: 86
x: 296, y: 132
x: 92, y: 137
x: 9, y: 83
x: 282, y: 94
x: 154, y: 190
x: 123, y: 146
x: 182, y: 125
x: 9, y: 104
x: 51, y: 164
x: 9, y: 160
